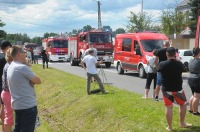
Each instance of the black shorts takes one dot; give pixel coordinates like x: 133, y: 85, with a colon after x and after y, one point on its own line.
x: 194, y: 84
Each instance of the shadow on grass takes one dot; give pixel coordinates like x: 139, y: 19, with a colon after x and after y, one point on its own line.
x: 192, y: 129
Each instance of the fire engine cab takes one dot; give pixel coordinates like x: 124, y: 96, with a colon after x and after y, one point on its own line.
x: 101, y: 40
x: 56, y: 48
x: 132, y: 50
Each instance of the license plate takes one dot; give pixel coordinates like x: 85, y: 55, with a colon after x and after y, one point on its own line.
x: 61, y: 57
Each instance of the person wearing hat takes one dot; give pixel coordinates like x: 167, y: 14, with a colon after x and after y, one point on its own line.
x: 194, y: 81
x: 4, y: 46
x: 171, y: 72
x: 91, y: 63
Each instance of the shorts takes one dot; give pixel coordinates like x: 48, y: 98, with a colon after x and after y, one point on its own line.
x: 36, y: 57
x: 194, y: 84
x: 169, y: 97
x: 6, y: 97
x: 158, y: 79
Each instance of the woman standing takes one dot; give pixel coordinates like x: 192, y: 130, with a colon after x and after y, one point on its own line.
x: 194, y: 81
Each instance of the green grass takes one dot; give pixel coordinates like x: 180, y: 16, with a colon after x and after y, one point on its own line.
x: 64, y: 106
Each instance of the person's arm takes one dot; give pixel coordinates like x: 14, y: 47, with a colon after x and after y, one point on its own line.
x: 35, y: 80
x: 156, y: 61
x: 83, y: 65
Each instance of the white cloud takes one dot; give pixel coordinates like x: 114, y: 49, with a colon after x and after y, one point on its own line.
x: 38, y: 18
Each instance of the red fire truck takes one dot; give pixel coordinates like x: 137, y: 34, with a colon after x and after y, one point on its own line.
x: 101, y: 40
x: 197, y: 40
x: 57, y: 48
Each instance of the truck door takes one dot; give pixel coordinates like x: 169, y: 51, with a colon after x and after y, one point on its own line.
x: 126, y: 53
x: 133, y: 59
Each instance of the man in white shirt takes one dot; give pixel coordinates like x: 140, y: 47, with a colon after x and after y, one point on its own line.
x: 91, y: 63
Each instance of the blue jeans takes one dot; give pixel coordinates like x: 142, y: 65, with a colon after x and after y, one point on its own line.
x: 25, y: 120
x: 158, y: 80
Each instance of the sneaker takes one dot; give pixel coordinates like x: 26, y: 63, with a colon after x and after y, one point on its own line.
x: 144, y: 97
x: 105, y: 92
x: 190, y: 111
x: 156, y: 99
x: 197, y: 114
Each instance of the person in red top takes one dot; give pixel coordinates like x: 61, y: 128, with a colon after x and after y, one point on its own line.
x: 171, y: 72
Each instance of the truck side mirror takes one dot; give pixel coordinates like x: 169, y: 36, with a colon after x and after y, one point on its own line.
x: 138, y: 52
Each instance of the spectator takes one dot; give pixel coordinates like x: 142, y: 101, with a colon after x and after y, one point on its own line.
x: 151, y: 75
x: 4, y: 46
x: 29, y: 56
x: 160, y: 56
x: 91, y: 63
x: 6, y: 97
x: 44, y: 58
x: 36, y: 54
x: 32, y: 56
x: 20, y: 81
x: 171, y: 72
x: 91, y: 46
x: 194, y: 81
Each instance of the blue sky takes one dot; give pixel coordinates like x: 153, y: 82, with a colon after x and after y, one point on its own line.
x: 36, y: 17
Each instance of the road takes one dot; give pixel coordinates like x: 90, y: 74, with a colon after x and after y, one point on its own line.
x: 129, y: 81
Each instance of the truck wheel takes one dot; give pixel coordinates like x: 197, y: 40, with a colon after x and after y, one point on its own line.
x: 185, y: 67
x: 72, y: 61
x: 107, y: 64
x: 142, y: 72
x: 119, y: 69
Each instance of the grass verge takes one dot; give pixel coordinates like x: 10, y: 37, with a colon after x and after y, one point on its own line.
x: 63, y: 106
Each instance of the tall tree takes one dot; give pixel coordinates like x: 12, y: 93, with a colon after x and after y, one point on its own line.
x: 2, y: 32
x: 120, y: 30
x: 195, y: 6
x: 37, y: 40
x: 172, y: 21
x: 46, y: 35
x: 140, y: 21
x: 87, y: 28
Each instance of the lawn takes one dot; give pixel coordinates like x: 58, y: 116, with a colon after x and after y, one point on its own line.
x: 64, y: 106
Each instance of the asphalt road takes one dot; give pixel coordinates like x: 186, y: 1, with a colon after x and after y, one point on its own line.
x: 129, y: 81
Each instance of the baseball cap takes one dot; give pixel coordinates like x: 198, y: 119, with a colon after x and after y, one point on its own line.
x: 5, y: 44
x: 171, y: 50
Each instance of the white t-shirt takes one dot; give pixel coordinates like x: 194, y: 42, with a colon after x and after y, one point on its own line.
x: 151, y: 64
x: 35, y: 52
x: 90, y: 62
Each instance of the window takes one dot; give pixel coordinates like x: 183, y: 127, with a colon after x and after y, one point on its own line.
x: 126, y: 44
x: 150, y: 45
x: 188, y: 53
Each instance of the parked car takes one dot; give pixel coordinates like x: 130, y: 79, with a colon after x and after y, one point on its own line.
x: 185, y: 56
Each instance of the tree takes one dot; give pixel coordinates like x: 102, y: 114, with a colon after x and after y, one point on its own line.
x: 195, y: 6
x: 2, y: 32
x: 140, y: 21
x: 46, y: 35
x: 87, y: 28
x: 119, y: 30
x: 172, y: 21
x: 37, y: 40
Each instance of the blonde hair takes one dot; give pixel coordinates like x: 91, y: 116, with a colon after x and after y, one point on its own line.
x: 8, y: 56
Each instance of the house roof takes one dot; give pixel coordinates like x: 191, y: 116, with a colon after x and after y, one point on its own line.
x: 184, y: 3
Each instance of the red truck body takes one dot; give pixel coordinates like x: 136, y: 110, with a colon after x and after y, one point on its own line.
x: 197, y: 39
x: 102, y: 41
x: 56, y: 48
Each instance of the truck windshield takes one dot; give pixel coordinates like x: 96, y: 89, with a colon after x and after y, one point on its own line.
x: 100, y: 38
x: 150, y: 45
x: 59, y: 44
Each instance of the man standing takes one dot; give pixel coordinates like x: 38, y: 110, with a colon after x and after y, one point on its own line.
x: 160, y: 56
x: 20, y: 81
x: 171, y: 72
x: 91, y: 63
x: 44, y: 58
x: 4, y: 46
x: 91, y: 47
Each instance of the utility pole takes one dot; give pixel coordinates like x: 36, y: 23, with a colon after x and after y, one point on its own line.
x: 142, y: 8
x: 99, y: 16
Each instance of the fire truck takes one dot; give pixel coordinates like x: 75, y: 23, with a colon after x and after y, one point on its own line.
x: 197, y: 40
x: 56, y: 48
x: 101, y: 40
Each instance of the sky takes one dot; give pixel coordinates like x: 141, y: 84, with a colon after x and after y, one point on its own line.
x: 36, y: 17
